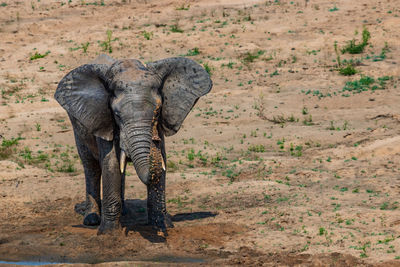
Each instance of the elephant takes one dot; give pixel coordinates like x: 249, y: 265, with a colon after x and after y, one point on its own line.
x: 120, y: 111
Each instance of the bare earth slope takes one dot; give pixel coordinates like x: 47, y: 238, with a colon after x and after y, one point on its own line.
x: 286, y: 162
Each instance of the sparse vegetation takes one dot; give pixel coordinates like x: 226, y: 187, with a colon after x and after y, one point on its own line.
x: 297, y: 138
x: 37, y: 55
x: 207, y: 68
x: 175, y: 28
x: 6, y: 147
x: 348, y: 70
x: 85, y: 47
x: 366, y: 83
x: 183, y: 7
x: 250, y: 57
x: 193, y: 52
x: 353, y: 47
x: 106, y: 45
x: 147, y: 35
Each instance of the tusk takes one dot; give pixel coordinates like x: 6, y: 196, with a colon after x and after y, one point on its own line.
x: 122, y: 162
x: 162, y: 163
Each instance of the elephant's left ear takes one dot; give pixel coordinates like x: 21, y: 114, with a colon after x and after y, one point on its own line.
x: 184, y: 82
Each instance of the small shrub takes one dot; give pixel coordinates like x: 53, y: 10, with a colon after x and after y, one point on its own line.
x: 175, y: 28
x: 172, y: 166
x: 257, y: 148
x: 348, y: 70
x: 207, y: 68
x: 5, y: 148
x: 107, y: 43
x: 251, y: 57
x: 85, y: 47
x: 193, y: 52
x: 147, y: 35
x: 354, y: 48
x: 38, y: 55
x: 183, y: 7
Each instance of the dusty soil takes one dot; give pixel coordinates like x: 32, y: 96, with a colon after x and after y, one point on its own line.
x: 280, y: 165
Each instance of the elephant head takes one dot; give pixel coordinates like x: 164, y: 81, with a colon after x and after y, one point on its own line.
x: 136, y: 102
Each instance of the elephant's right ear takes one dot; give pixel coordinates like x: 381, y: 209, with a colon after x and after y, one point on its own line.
x: 82, y: 93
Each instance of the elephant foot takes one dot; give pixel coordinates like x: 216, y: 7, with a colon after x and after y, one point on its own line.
x: 160, y: 222
x: 110, y: 227
x: 92, y: 219
x: 92, y: 211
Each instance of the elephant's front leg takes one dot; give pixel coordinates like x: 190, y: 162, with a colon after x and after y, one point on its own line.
x: 156, y: 206
x: 87, y: 149
x: 111, y: 175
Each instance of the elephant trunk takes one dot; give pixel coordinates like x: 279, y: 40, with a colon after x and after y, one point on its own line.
x: 138, y: 142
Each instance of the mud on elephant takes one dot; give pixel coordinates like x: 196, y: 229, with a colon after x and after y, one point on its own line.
x: 120, y: 110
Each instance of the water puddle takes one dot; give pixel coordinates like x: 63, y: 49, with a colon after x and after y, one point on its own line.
x: 31, y: 263
x: 174, y: 259
x: 157, y: 259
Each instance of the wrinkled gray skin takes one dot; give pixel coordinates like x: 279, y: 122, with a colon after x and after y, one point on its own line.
x: 121, y: 107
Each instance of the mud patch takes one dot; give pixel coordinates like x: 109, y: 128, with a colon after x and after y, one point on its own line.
x: 199, y: 237
x: 248, y: 257
x: 52, y: 234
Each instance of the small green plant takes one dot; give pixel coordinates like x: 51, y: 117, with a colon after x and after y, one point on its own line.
x: 260, y: 107
x: 229, y: 65
x: 207, y: 68
x: 193, y: 52
x: 38, y: 55
x: 308, y: 121
x: 257, y: 148
x: 366, y: 83
x: 337, y: 54
x: 191, y: 155
x: 382, y: 55
x: 175, y: 28
x: 251, y: 57
x: 38, y: 127
x: 26, y: 154
x: 332, y: 126
x: 345, y: 125
x: 147, y: 35
x: 281, y: 119
x: 348, y: 70
x: 172, y: 166
x: 11, y: 142
x: 281, y: 143
x: 353, y: 47
x: 5, y: 148
x: 85, y: 47
x: 333, y: 9
x: 296, y: 151
x: 322, y: 231
x: 66, y: 165
x: 231, y: 173
x: 183, y: 7
x: 107, y: 43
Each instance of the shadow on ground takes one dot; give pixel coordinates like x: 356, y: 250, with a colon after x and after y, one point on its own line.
x: 134, y: 218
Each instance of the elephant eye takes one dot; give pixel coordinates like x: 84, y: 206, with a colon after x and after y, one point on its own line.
x: 117, y: 115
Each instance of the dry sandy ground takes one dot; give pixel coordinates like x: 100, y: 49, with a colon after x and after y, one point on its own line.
x: 277, y: 166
